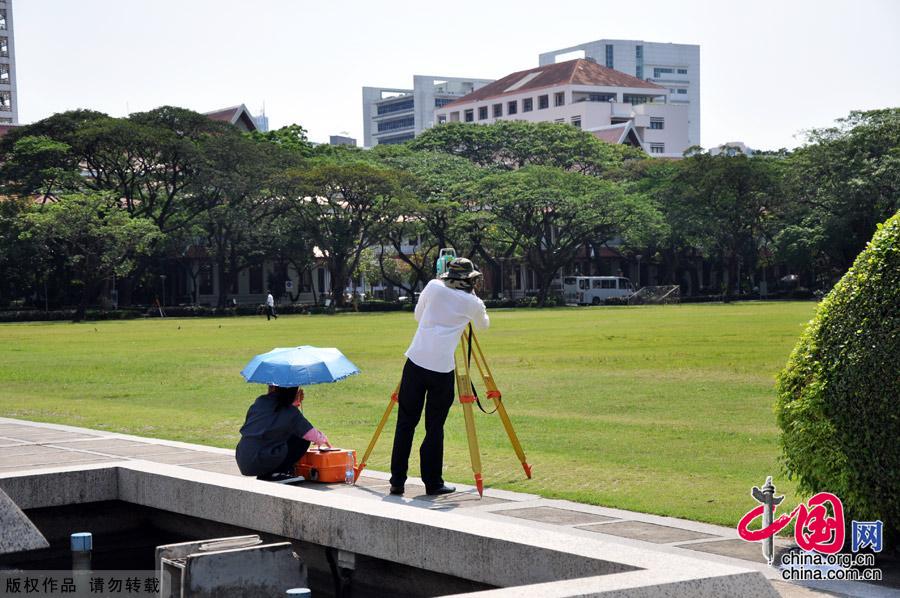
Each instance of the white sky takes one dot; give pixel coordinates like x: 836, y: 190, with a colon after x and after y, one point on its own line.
x: 769, y: 68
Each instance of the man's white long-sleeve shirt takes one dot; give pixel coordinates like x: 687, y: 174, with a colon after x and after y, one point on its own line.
x: 442, y: 314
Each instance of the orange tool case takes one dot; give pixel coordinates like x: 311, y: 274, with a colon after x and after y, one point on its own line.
x: 324, y: 464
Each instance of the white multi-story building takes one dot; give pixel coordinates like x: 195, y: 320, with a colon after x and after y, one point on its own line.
x: 393, y: 115
x: 9, y: 104
x: 673, y: 66
x: 615, y: 106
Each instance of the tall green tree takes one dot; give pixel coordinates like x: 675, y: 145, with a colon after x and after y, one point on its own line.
x: 550, y: 214
x: 345, y: 204
x: 841, y: 185
x: 725, y: 206
x: 240, y: 187
x: 514, y: 144
x: 438, y: 210
x: 37, y: 166
x: 94, y: 234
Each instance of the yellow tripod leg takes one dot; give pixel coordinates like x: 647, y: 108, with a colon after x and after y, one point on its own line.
x: 467, y: 397
x: 493, y: 393
x: 387, y: 413
x: 474, y: 453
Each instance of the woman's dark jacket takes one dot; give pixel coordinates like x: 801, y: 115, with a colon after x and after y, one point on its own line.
x: 264, y: 435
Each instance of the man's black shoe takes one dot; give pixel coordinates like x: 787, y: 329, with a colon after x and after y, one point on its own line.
x: 445, y: 489
x: 397, y: 490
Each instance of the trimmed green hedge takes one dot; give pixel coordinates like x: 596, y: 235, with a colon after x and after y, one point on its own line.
x: 839, y: 396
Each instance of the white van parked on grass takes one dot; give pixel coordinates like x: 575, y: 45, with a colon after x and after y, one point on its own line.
x: 594, y: 290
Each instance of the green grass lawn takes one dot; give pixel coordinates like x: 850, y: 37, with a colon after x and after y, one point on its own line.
x: 665, y: 410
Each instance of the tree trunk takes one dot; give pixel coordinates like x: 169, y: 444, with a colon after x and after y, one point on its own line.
x: 88, y: 292
x: 496, y: 281
x: 338, y: 281
x: 223, y: 281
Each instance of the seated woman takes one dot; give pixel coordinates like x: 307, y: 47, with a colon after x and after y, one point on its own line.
x: 275, y: 435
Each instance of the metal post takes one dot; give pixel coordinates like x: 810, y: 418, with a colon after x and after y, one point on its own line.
x: 767, y: 497
x: 82, y: 543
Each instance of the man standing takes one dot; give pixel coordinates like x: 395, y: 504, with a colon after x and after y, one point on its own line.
x: 270, y: 307
x: 445, y: 307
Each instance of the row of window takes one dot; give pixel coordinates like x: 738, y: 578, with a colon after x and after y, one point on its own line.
x: 512, y: 107
x: 396, y: 106
x: 658, y: 71
x: 575, y: 121
x: 657, y: 148
x: 396, y: 139
x: 399, y: 123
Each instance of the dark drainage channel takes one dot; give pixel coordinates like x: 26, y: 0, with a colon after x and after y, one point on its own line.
x: 125, y: 537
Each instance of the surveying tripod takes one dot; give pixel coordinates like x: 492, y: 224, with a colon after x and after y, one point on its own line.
x: 471, y: 350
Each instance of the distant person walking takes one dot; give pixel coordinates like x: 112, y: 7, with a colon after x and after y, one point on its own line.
x: 270, y: 307
x: 445, y: 307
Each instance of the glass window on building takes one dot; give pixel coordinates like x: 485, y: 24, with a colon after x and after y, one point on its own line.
x: 639, y: 62
x: 560, y: 120
x: 469, y: 115
x: 482, y: 113
x: 543, y: 102
x: 454, y: 117
x: 657, y: 148
x: 682, y: 91
x: 397, y: 123
x: 4, y: 74
x: 5, y: 100
x: 559, y: 98
x: 4, y: 47
x: 636, y: 99
x: 441, y: 102
x: 657, y: 123
x: 682, y: 71
x: 401, y: 106
x: 527, y: 104
x: 442, y: 118
x: 658, y: 71
x: 512, y: 107
x: 576, y: 121
x: 396, y: 139
x: 498, y: 110
x: 2, y: 19
x: 609, y: 55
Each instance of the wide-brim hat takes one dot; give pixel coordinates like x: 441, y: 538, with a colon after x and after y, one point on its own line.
x: 461, y: 269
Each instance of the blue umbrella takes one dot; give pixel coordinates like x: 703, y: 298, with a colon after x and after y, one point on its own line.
x: 299, y: 366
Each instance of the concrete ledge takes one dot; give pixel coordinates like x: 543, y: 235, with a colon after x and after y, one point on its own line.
x: 640, y: 585
x: 497, y: 553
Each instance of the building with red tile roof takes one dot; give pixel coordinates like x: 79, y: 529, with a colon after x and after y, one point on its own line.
x: 615, y: 106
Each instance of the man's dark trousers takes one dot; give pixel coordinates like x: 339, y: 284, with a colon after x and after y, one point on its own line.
x: 415, y: 384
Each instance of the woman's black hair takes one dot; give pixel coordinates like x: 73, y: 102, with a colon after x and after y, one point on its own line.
x: 284, y: 395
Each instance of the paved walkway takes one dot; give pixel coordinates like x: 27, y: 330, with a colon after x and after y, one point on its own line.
x: 30, y: 446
